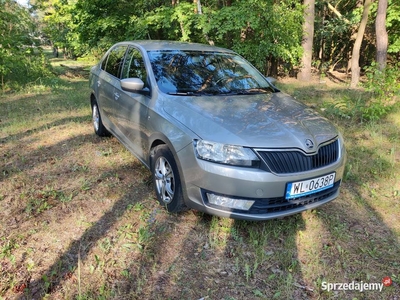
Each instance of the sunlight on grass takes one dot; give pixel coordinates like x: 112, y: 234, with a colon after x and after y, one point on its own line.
x: 313, y: 255
x: 395, y: 117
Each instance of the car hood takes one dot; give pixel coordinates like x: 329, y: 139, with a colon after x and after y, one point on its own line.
x: 261, y: 120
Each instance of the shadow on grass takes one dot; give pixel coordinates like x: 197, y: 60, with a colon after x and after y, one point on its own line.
x: 197, y: 256
x: 77, y: 252
x: 360, y: 247
x: 362, y: 232
x: 29, y: 108
x: 17, y: 161
x: 46, y: 126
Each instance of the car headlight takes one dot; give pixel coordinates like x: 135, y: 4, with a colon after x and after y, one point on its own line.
x: 225, y: 154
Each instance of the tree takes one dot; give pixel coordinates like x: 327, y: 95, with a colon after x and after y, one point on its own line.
x: 265, y: 32
x: 393, y: 27
x: 307, y: 42
x: 333, y: 32
x: 56, y: 20
x: 19, y: 63
x: 381, y: 35
x: 355, y: 67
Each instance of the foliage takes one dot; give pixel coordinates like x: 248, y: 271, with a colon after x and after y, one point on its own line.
x: 56, y: 18
x: 21, y: 61
x: 266, y: 32
x: 393, y: 26
x: 379, y: 98
x: 335, y: 25
x: 259, y: 30
x: 101, y: 23
x: 384, y: 86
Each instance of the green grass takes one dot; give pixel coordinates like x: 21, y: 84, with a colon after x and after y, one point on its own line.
x: 80, y: 218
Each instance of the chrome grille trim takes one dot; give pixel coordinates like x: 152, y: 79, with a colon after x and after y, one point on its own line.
x: 295, y: 161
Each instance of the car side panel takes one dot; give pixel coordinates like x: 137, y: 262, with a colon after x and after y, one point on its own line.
x: 105, y: 98
x: 131, y: 118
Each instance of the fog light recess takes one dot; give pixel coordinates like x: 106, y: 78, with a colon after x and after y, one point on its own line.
x: 229, y: 202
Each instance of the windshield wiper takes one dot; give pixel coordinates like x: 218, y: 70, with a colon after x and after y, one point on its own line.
x: 260, y: 90
x: 189, y: 93
x: 249, y: 91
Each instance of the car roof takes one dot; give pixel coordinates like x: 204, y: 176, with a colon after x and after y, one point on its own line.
x: 154, y: 45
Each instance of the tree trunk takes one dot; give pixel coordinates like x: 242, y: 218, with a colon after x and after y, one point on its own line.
x: 307, y: 43
x: 381, y: 35
x: 355, y: 67
x: 198, y: 9
x: 273, y: 71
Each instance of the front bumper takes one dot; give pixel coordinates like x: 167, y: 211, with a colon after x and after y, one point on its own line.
x: 265, y: 188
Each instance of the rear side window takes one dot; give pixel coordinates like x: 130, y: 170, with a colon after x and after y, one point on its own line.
x: 115, y: 60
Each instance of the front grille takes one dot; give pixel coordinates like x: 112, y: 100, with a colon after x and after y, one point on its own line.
x: 283, y: 162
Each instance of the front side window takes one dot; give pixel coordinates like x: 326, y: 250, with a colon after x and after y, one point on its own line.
x: 134, y: 65
x: 199, y: 72
x: 115, y: 60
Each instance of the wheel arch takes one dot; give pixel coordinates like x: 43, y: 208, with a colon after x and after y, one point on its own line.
x: 93, y: 99
x: 158, y: 140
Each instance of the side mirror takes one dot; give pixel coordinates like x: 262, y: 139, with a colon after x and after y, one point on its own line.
x: 132, y: 84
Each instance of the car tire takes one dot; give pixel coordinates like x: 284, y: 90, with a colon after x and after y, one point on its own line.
x: 166, y: 180
x: 98, y: 126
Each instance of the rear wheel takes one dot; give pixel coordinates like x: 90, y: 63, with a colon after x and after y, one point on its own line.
x: 166, y: 180
x: 98, y: 126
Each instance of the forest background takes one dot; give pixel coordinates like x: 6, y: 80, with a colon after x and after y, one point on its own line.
x: 281, y: 37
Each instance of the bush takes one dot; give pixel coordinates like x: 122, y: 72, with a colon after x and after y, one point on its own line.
x: 21, y: 68
x: 384, y: 87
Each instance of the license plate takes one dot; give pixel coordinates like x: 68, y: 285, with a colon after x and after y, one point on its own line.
x: 311, y: 186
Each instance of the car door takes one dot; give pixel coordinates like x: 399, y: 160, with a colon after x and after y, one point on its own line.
x: 131, y: 108
x: 107, y: 82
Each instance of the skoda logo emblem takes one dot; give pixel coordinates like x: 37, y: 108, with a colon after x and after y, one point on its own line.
x: 309, y: 144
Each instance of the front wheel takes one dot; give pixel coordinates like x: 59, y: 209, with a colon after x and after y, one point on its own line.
x: 166, y: 180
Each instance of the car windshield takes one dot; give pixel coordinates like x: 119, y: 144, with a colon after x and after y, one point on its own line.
x: 205, y: 73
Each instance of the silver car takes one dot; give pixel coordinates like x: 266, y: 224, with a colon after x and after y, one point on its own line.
x: 216, y: 134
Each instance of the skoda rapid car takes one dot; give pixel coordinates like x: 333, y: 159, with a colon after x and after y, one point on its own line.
x: 216, y: 134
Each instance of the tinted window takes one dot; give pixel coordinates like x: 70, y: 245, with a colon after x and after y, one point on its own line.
x: 115, y: 60
x: 205, y: 72
x: 134, y: 65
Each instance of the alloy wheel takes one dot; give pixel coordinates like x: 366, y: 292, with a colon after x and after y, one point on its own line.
x: 164, y: 179
x: 96, y: 118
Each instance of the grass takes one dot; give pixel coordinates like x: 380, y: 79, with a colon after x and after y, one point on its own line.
x: 80, y: 219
